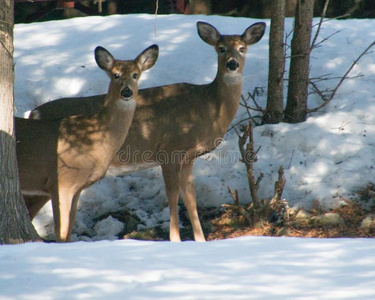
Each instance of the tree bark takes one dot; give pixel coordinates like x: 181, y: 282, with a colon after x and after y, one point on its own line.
x: 201, y: 7
x: 290, y: 8
x: 274, y: 109
x: 296, y: 107
x: 15, y: 224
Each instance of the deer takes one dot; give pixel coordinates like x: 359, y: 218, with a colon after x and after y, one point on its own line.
x: 59, y: 158
x: 183, y: 119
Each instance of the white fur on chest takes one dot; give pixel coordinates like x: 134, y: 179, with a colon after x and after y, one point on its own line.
x: 232, y: 78
x: 126, y: 105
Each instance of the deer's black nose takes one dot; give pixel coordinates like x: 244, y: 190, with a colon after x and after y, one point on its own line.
x: 232, y: 65
x: 126, y: 93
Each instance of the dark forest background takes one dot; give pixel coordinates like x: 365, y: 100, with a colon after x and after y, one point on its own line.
x: 42, y: 10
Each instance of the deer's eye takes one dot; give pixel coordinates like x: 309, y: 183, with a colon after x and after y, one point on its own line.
x: 242, y: 49
x: 116, y: 75
x: 221, y: 49
x: 135, y: 75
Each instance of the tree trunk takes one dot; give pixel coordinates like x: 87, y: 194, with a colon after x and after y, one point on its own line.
x: 15, y: 225
x: 274, y: 109
x: 290, y: 8
x: 296, y: 107
x: 200, y: 7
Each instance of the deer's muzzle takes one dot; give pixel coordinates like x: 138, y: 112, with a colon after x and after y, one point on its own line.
x: 232, y: 65
x: 126, y: 93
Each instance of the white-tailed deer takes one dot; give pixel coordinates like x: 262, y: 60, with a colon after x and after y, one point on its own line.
x: 57, y: 159
x: 174, y: 124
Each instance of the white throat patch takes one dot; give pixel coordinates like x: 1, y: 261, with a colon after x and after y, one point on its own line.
x: 126, y: 105
x: 232, y: 78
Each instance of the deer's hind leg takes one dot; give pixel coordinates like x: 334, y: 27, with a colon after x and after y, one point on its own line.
x: 172, y: 179
x: 34, y: 203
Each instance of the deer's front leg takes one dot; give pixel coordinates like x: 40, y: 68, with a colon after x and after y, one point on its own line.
x: 190, y: 200
x: 64, y: 205
x: 172, y: 179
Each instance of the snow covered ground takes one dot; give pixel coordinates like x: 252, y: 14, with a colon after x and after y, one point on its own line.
x: 244, y: 268
x: 329, y: 157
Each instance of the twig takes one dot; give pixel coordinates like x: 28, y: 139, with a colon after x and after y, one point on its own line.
x: 291, y: 159
x: 325, y: 39
x: 345, y: 15
x: 234, y: 195
x: 252, y: 97
x: 319, y: 92
x: 320, y: 24
x: 246, y: 106
x: 248, y: 158
x: 251, y: 108
x: 342, y: 79
x: 279, y: 185
x: 326, y: 78
x: 237, y: 206
x: 236, y: 124
x: 156, y: 15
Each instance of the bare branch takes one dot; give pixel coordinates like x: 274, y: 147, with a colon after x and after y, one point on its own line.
x: 320, y: 24
x: 249, y: 158
x: 319, y: 92
x: 325, y: 39
x: 245, y: 105
x: 366, y: 51
x: 238, y: 123
x: 256, y: 92
x: 234, y: 195
x: 280, y: 184
x: 237, y: 206
x: 259, y: 179
x: 156, y: 15
x: 347, y: 14
x: 248, y: 107
x: 326, y: 77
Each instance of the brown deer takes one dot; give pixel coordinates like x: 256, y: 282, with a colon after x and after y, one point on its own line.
x: 174, y: 124
x: 57, y: 159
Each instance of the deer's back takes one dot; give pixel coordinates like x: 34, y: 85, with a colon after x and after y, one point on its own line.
x: 66, y: 107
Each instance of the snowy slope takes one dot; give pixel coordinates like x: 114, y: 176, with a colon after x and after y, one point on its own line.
x: 245, y: 268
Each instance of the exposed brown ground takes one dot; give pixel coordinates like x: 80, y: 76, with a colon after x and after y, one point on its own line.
x: 224, y: 223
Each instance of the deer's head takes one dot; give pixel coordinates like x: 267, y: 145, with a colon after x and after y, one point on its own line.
x: 231, y: 49
x: 124, y: 74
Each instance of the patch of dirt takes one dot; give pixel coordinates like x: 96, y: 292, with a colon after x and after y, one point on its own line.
x: 352, y: 214
x: 220, y: 223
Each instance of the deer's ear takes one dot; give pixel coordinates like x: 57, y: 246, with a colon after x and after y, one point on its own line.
x: 208, y: 33
x: 148, y: 57
x: 104, y: 59
x: 254, y: 33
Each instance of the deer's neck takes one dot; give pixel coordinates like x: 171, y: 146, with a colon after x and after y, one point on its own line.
x: 115, y: 116
x: 227, y: 89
